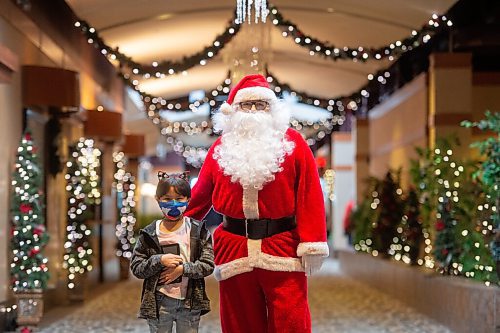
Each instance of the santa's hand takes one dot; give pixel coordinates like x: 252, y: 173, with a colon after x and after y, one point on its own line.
x: 311, y: 263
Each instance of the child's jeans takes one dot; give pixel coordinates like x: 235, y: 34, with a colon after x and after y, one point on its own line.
x: 172, y: 310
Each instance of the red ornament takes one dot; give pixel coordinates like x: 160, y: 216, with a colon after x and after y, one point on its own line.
x: 43, y: 266
x: 34, y: 252
x: 440, y: 225
x: 26, y: 330
x: 444, y: 252
x: 27, y: 136
x: 34, y: 150
x: 25, y: 208
x: 39, y: 229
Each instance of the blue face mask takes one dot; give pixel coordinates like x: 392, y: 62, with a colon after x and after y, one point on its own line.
x: 172, y: 208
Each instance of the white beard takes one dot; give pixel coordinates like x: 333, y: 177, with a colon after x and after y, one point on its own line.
x: 253, y: 145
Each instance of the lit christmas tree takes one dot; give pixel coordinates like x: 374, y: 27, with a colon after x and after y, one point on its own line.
x: 29, y: 269
x: 386, y: 239
x: 446, y: 247
x: 412, y: 228
x: 82, y: 185
x: 125, y: 188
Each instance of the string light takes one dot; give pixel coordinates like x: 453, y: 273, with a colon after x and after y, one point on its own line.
x: 83, y: 189
x: 125, y: 188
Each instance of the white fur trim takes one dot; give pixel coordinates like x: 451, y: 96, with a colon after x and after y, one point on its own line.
x: 254, y: 93
x: 257, y: 258
x: 251, y: 202
x: 226, y: 109
x: 232, y: 268
x: 315, y: 248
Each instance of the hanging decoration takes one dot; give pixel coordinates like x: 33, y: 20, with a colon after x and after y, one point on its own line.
x: 125, y: 189
x: 29, y: 269
x: 391, y: 51
x: 244, y: 11
x: 160, y: 69
x: 82, y: 185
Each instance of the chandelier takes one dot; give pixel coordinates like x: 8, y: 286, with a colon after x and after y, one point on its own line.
x: 244, y: 10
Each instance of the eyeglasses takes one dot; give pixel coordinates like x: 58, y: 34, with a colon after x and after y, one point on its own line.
x: 259, y: 105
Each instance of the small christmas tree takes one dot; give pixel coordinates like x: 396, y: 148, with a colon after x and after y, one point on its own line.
x: 82, y: 185
x: 413, y: 235
x: 446, y: 247
x: 29, y: 269
x: 391, y: 212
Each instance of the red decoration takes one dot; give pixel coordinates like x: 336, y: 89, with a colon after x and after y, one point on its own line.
x: 444, y: 251
x: 43, y: 266
x: 440, y: 225
x: 39, y: 229
x: 34, y: 252
x: 25, y: 208
x: 27, y: 136
x: 26, y: 330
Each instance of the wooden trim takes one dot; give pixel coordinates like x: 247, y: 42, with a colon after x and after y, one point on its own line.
x: 363, y: 158
x: 485, y: 78
x: 451, y: 60
x: 134, y: 146
x: 9, y: 64
x: 449, y: 119
x: 103, y: 125
x: 362, y: 122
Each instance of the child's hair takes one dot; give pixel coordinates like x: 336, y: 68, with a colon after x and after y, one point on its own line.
x: 179, y: 181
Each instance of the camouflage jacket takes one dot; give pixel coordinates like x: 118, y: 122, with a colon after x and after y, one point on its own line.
x: 145, y: 264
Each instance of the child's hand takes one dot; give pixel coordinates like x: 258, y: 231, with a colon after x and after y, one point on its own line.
x: 170, y: 274
x: 171, y: 260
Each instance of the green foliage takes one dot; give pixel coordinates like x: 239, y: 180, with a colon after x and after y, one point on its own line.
x: 29, y: 266
x: 412, y: 227
x: 489, y: 172
x: 389, y: 217
x: 363, y: 217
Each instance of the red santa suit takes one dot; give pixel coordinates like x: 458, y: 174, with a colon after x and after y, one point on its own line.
x: 263, y: 287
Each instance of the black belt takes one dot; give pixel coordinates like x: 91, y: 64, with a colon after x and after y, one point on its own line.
x: 258, y: 228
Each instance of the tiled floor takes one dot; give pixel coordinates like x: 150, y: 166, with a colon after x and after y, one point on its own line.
x: 338, y: 304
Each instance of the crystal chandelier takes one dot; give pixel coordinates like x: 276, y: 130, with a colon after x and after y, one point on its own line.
x: 249, y: 52
x: 244, y: 10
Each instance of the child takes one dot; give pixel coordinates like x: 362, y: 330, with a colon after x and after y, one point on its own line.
x: 174, y: 285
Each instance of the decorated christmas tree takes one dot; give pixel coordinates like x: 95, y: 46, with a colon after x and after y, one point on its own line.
x: 82, y: 185
x: 29, y: 269
x: 412, y: 228
x: 446, y: 247
x: 391, y: 212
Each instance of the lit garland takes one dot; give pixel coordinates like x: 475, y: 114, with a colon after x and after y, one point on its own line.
x: 360, y: 53
x: 82, y: 185
x: 160, y: 69
x: 125, y: 188
x: 29, y: 269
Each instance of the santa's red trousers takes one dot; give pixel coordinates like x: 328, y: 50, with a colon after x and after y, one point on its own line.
x: 263, y: 301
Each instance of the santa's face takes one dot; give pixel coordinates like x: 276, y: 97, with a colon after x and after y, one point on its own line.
x: 253, y: 141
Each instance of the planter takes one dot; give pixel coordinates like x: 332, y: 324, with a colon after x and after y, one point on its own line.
x: 459, y: 303
x: 29, y: 308
x: 79, y: 292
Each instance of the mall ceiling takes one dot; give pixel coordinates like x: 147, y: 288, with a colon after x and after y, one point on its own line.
x: 156, y: 30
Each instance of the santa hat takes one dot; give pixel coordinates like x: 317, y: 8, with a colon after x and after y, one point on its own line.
x: 251, y: 87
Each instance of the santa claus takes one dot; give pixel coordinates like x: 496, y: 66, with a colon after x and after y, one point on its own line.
x: 261, y: 176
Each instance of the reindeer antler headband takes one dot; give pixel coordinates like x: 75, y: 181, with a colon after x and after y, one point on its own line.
x: 162, y: 176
